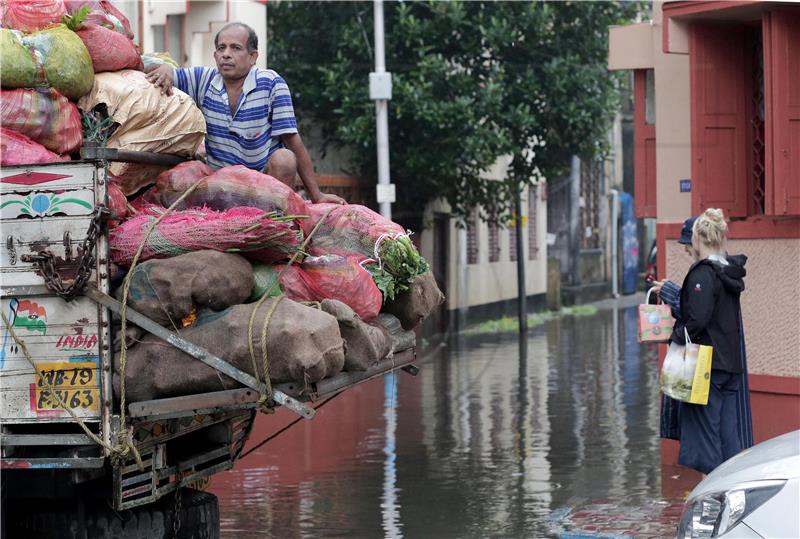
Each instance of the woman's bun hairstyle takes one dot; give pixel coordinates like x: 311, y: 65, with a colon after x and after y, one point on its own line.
x: 711, y: 228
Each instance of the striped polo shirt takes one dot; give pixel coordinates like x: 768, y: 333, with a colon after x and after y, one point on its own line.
x: 252, y: 135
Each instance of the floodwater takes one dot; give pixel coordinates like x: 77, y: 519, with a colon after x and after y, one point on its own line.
x: 550, y: 437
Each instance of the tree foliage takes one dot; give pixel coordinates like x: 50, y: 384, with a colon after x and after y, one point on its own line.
x: 472, y: 81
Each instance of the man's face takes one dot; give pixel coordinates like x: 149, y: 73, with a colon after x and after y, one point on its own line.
x: 232, y: 57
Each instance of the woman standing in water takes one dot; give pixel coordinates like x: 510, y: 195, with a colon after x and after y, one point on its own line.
x: 711, y: 314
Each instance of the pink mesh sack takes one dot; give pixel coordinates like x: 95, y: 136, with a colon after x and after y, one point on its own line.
x: 17, y: 149
x: 230, y: 187
x: 102, y: 13
x: 350, y: 230
x: 237, y: 230
x: 31, y: 15
x: 43, y: 115
x: 109, y: 50
x: 333, y: 277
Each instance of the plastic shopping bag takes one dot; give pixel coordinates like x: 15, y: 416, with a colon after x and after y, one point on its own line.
x: 686, y: 372
x: 655, y: 321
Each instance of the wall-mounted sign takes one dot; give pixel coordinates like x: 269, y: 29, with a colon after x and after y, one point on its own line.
x: 686, y: 186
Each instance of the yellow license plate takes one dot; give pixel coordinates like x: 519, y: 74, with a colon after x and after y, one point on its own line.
x: 75, y: 384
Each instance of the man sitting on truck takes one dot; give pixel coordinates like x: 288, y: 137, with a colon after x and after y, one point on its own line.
x: 249, y: 114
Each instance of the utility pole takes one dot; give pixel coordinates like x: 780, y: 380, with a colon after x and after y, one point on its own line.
x: 522, y: 288
x: 380, y: 91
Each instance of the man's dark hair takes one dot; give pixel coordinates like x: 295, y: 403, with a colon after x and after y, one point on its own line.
x: 252, y: 38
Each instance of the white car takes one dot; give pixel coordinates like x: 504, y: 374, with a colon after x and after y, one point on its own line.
x: 755, y: 494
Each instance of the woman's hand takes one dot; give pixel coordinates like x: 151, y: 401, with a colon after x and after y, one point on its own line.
x: 656, y: 286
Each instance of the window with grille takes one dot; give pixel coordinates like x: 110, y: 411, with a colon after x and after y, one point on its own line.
x: 472, y: 237
x: 533, y: 240
x: 592, y: 179
x: 494, y: 243
x: 757, y: 145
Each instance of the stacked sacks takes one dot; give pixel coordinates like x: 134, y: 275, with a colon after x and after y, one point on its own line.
x: 44, y: 64
x: 42, y: 70
x: 203, y: 292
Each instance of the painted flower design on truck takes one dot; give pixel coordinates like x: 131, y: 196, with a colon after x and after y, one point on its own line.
x: 41, y: 204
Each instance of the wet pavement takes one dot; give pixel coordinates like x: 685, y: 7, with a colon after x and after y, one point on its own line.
x: 555, y: 436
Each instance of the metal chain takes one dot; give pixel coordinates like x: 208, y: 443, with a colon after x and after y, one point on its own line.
x: 176, y: 522
x: 46, y: 260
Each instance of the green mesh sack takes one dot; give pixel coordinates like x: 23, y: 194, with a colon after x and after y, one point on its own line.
x: 17, y: 65
x: 55, y: 57
x: 264, y: 276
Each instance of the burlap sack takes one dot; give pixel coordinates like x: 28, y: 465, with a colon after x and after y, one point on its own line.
x: 366, y: 344
x: 303, y: 344
x: 402, y: 339
x: 167, y: 290
x: 148, y: 122
x: 414, y: 305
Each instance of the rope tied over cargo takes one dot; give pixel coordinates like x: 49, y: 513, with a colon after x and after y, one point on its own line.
x: 265, y: 401
x: 125, y: 434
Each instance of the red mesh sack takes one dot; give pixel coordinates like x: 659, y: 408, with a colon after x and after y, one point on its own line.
x: 333, y: 277
x: 148, y: 198
x: 43, y: 115
x: 349, y: 230
x: 102, y: 13
x: 235, y: 230
x: 230, y: 187
x: 31, y: 15
x: 184, y: 175
x: 17, y: 149
x: 110, y: 50
x: 117, y: 203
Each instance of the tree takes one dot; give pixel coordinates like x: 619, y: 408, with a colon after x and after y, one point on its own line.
x: 472, y: 81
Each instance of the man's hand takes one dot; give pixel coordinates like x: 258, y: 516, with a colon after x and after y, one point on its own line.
x: 329, y: 198
x: 163, y: 77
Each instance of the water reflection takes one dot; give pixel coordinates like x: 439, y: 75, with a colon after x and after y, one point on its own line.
x: 495, y: 438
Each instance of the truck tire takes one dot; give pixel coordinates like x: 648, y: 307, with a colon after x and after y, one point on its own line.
x: 48, y: 519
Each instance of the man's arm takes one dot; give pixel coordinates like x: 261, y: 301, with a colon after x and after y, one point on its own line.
x: 293, y: 142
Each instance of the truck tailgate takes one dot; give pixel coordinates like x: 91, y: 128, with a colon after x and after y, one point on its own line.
x: 50, y: 207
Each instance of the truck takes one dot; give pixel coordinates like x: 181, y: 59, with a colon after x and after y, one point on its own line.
x: 73, y: 464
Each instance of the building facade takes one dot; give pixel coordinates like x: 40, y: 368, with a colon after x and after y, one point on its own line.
x: 717, y: 124
x: 186, y: 28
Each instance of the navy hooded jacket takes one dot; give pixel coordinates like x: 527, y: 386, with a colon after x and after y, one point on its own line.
x: 711, y: 310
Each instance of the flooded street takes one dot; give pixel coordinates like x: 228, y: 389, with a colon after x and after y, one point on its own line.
x: 494, y: 438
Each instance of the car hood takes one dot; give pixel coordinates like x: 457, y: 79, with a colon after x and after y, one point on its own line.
x: 777, y: 458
